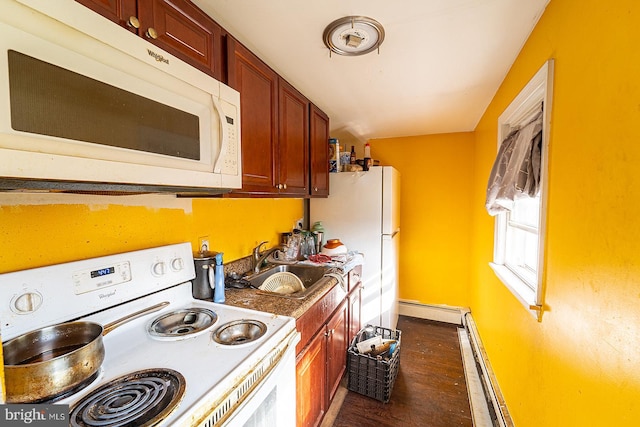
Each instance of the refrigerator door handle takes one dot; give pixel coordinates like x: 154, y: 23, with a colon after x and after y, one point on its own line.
x: 392, y: 235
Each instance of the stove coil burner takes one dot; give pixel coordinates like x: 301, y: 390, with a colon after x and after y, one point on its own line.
x: 239, y: 332
x: 184, y: 323
x: 142, y: 398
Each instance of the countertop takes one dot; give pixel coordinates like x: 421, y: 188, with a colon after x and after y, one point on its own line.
x: 250, y: 298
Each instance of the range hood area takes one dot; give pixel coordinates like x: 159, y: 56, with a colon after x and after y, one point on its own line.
x: 102, y: 188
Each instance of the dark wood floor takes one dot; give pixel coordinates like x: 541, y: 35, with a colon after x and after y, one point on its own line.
x: 430, y: 389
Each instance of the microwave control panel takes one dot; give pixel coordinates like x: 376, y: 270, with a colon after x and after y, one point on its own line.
x: 231, y: 154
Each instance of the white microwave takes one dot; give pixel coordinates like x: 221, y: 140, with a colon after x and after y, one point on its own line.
x: 85, y: 104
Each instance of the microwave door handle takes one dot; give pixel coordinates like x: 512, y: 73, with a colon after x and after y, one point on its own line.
x: 223, y: 145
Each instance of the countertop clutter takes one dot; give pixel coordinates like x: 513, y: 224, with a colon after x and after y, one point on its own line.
x: 250, y: 298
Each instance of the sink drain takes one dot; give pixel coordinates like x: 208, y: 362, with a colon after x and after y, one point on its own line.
x: 239, y: 332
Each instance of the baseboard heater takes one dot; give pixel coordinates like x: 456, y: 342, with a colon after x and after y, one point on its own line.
x: 487, y: 403
x: 497, y: 406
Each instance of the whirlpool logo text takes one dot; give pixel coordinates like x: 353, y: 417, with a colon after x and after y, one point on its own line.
x: 157, y: 56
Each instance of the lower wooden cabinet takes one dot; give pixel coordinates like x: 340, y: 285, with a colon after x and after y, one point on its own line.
x: 320, y: 367
x: 326, y: 330
x: 337, y: 331
x: 311, y: 382
x: 355, y: 312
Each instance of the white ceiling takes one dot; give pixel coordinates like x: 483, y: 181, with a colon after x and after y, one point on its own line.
x: 438, y: 68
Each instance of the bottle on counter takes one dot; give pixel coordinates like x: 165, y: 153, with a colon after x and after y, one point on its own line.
x: 367, y: 157
x: 218, y: 291
x: 352, y: 159
x: 318, y: 230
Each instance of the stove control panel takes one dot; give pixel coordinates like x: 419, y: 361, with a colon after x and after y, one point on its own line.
x: 101, y: 277
x: 42, y: 296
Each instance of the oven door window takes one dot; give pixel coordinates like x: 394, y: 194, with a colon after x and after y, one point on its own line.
x: 265, y: 415
x: 52, y: 101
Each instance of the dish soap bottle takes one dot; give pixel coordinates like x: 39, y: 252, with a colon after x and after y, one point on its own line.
x: 218, y: 291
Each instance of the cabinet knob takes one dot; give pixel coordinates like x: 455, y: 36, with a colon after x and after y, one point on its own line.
x: 151, y: 33
x: 133, y: 22
x: 284, y: 186
x: 315, y: 188
x: 279, y: 186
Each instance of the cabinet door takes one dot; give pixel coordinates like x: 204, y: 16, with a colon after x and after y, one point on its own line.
x: 337, y: 332
x: 319, y: 151
x: 258, y: 87
x: 118, y: 11
x: 311, y: 382
x: 183, y: 30
x: 355, y: 308
x: 293, y: 141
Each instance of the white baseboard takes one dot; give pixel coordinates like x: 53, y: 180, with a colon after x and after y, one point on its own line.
x: 500, y: 412
x: 439, y: 313
x: 475, y: 388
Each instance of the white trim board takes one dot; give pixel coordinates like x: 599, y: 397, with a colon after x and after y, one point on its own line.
x: 477, y: 399
x: 439, y: 313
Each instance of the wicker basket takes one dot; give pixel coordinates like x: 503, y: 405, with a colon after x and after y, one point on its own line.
x: 370, y: 376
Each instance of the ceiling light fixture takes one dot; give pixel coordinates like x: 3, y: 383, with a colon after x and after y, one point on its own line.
x: 353, y: 36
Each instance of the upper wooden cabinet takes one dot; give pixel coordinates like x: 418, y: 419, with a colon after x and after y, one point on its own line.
x: 275, y: 127
x: 122, y: 12
x: 258, y: 87
x: 293, y: 141
x: 319, y: 151
x: 177, y: 26
x: 284, y: 137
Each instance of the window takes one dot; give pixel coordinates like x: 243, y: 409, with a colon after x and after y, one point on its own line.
x: 520, y: 224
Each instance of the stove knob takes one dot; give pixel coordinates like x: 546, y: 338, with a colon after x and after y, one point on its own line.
x: 159, y: 268
x: 26, y: 303
x: 177, y: 264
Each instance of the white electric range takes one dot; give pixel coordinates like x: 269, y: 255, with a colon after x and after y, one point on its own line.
x: 166, y: 367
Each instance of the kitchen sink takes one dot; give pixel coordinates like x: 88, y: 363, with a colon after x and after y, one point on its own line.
x: 310, y: 276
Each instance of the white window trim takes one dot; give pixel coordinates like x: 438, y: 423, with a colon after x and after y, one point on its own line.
x: 539, y: 89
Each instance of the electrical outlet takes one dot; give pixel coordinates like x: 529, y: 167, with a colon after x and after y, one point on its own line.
x: 203, y: 243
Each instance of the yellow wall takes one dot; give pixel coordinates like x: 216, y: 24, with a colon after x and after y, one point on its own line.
x: 436, y: 199
x: 50, y: 229
x: 38, y: 230
x: 581, y: 365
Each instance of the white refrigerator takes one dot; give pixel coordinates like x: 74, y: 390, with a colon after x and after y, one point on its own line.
x: 363, y: 211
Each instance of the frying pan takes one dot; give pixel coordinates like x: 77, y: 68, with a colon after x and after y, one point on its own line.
x: 51, y: 361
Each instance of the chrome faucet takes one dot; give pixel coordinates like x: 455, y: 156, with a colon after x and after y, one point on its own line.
x: 260, y: 257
